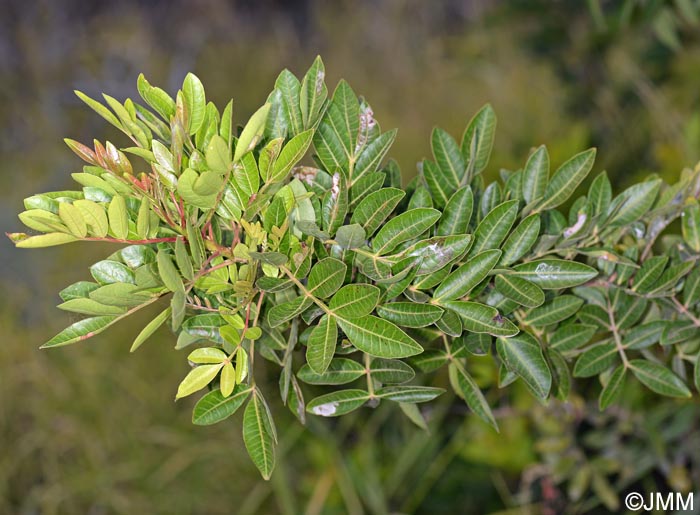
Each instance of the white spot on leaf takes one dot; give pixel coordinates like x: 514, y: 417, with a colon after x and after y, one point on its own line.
x: 325, y: 410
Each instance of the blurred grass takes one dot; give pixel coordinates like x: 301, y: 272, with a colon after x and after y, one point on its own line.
x: 93, y: 429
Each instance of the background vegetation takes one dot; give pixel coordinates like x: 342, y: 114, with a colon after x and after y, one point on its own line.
x: 92, y: 429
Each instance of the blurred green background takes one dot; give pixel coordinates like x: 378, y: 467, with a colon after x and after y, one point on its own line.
x: 94, y: 429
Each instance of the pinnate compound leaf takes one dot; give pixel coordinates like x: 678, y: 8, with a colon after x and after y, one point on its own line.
x: 213, y: 407
x: 259, y: 434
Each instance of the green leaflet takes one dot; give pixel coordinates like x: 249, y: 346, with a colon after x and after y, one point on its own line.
x: 404, y: 227
x: 410, y: 394
x: 321, y: 345
x: 379, y: 337
x: 168, y: 273
x: 151, y: 328
x: 350, y: 236
x: 560, y: 308
x: 410, y: 314
x: 535, y: 175
x: 521, y: 354
x: 290, y: 155
x: 376, y: 207
x: 390, y: 371
x: 596, y: 359
x: 648, y: 273
x: 251, y: 132
x: 42, y: 240
x: 195, y: 100
x: 495, y: 226
x: 440, y: 184
x: 551, y: 274
x: 339, y: 371
x: 372, y: 154
x: 632, y: 203
x: 477, y: 140
x: 197, y: 379
x: 118, y: 217
x: 691, y: 225
x: 326, y: 277
x: 566, y: 179
x: 108, y: 272
x: 465, y: 386
x: 571, y: 336
x: 213, y: 407
x: 289, y: 87
x: 337, y: 403
x: 521, y: 240
x: 457, y: 213
x: 81, y: 330
x: 460, y: 282
x: 73, y: 219
x: 520, y: 290
x: 90, y: 307
x: 259, y: 434
x: 354, y: 300
x: 448, y: 159
x: 658, y: 378
x: 336, y: 138
x: 612, y: 389
x: 479, y: 318
x: 313, y: 93
x: 156, y: 98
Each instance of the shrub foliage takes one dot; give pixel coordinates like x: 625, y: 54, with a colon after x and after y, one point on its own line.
x: 338, y: 276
